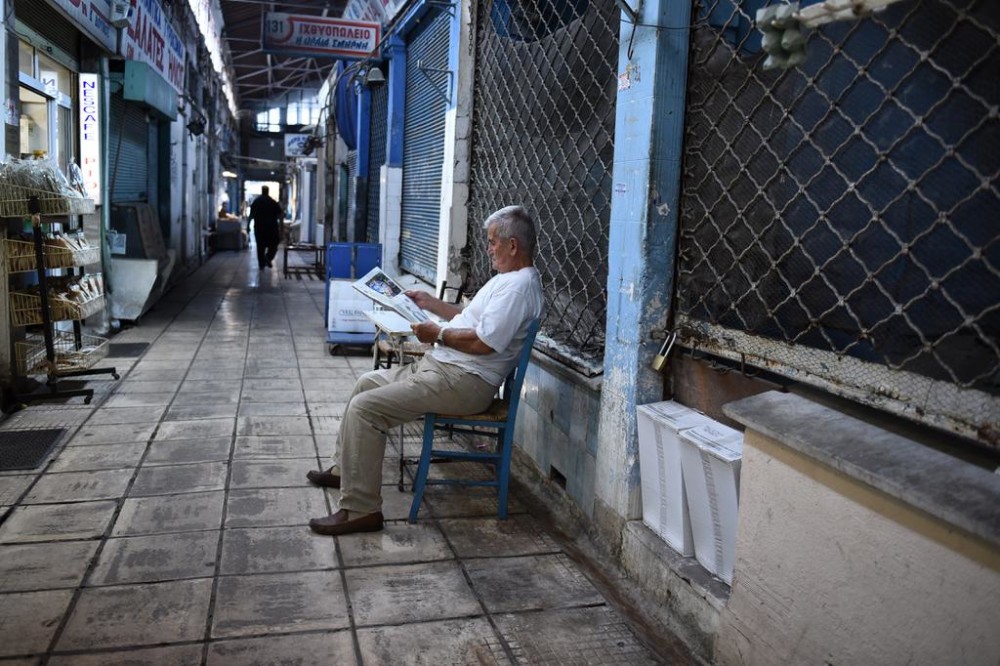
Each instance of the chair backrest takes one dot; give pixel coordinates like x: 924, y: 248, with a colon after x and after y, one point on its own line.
x: 512, y: 385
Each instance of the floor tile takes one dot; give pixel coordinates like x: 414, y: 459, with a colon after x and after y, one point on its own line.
x: 150, y: 559
x: 222, y: 386
x: 173, y: 479
x: 135, y: 615
x: 195, y: 429
x: 97, y: 457
x: 140, y: 374
x: 57, y: 522
x: 272, y: 395
x: 201, y: 411
x: 398, y: 543
x: 172, y: 451
x: 138, y: 400
x: 202, y: 372
x: 275, y: 447
x: 172, y: 655
x: 270, y: 603
x: 120, y: 415
x: 132, y: 385
x: 112, y: 434
x: 576, y: 636
x: 42, y: 566
x: 491, y: 537
x: 535, y: 582
x: 469, y: 641
x: 191, y: 399
x: 274, y: 507
x: 275, y: 549
x: 271, y: 473
x: 302, y: 650
x: 409, y: 593
x: 12, y: 486
x: 270, y: 387
x: 79, y: 486
x: 258, y: 409
x: 170, y: 513
x: 29, y: 620
x: 264, y: 426
x: 455, y: 502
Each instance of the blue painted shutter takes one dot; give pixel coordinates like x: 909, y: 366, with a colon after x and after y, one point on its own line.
x: 423, y: 146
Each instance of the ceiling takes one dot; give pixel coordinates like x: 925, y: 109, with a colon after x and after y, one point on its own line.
x: 260, y: 77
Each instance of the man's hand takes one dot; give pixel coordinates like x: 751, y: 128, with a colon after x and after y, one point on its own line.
x: 426, y: 331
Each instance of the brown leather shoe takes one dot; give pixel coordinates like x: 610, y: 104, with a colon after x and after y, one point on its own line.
x: 326, y: 478
x: 338, y: 524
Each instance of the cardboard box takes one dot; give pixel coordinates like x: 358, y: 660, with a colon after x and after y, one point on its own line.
x: 711, y: 457
x: 664, y: 505
x: 346, y: 312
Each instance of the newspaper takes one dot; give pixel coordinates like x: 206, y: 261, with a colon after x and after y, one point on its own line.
x: 385, y: 291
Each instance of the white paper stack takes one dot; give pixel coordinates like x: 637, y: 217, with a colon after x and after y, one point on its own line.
x: 664, y: 505
x: 711, y: 457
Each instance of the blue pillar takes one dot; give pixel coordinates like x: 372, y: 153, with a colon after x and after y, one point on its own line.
x: 364, y: 131
x: 649, y: 129
x: 396, y: 51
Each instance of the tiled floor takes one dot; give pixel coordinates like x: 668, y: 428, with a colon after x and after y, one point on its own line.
x: 170, y: 524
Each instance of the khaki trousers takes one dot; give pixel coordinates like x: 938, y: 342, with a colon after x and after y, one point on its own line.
x: 385, y: 399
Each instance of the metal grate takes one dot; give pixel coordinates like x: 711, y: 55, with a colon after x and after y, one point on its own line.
x: 543, y: 138
x: 376, y: 157
x: 838, y: 220
x: 26, y: 449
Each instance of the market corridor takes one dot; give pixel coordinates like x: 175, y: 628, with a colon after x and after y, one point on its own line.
x: 169, y: 523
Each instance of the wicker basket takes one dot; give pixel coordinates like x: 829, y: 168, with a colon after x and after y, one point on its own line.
x: 26, y: 309
x: 31, y: 357
x: 14, y: 202
x: 20, y: 256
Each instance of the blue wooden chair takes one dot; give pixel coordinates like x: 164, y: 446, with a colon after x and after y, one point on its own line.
x: 497, y: 421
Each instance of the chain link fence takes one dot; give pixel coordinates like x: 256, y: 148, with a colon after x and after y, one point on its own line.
x: 839, y: 220
x: 543, y: 138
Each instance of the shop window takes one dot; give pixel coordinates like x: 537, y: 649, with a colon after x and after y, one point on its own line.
x: 34, y: 124
x: 54, y: 76
x: 26, y: 58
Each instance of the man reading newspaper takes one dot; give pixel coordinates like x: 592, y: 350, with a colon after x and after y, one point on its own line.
x: 476, y: 349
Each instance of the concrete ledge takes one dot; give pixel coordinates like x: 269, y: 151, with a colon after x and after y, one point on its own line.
x: 689, y: 598
x: 949, y: 489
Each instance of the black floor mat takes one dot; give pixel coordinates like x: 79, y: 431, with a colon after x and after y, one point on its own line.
x: 25, y: 449
x: 126, y: 349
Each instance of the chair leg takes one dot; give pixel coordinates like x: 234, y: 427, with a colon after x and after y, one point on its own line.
x: 420, y: 482
x: 503, y: 471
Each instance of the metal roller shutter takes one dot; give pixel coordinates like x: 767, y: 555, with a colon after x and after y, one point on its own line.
x: 423, y: 146
x: 352, y: 195
x: 129, y: 151
x: 376, y: 157
x: 48, y: 22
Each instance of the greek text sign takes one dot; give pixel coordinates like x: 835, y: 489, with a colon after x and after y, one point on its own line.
x: 92, y: 17
x: 151, y: 39
x: 319, y: 36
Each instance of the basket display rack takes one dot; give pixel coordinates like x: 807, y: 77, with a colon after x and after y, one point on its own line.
x: 57, y: 354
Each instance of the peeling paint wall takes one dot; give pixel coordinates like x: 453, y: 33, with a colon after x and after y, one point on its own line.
x: 557, y: 424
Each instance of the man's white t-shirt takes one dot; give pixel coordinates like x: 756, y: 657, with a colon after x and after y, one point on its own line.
x: 500, y: 314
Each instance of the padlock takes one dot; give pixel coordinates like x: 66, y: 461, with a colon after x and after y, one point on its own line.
x: 660, y: 360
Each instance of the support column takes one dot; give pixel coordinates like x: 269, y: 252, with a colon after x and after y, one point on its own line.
x: 391, y: 175
x: 649, y: 130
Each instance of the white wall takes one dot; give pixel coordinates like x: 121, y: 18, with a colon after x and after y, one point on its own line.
x: 829, y: 570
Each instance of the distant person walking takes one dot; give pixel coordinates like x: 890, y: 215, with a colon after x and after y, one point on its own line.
x: 266, y: 214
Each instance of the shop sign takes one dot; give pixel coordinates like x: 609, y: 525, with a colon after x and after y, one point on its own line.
x: 152, y: 40
x: 317, y: 36
x: 295, y: 144
x: 92, y: 18
x: 90, y: 134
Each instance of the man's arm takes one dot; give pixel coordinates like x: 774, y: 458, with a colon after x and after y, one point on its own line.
x: 463, y: 339
x: 425, y: 301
